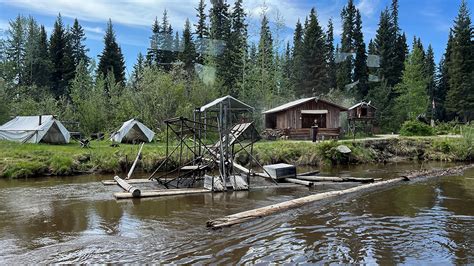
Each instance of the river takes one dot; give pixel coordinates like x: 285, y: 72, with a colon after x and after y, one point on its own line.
x: 77, y: 220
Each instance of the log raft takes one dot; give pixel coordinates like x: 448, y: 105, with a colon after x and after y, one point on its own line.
x: 250, y: 215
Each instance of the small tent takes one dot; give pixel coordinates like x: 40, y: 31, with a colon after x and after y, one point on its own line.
x: 133, y: 131
x: 35, y: 129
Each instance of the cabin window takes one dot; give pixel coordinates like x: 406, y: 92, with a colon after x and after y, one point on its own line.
x: 307, y: 120
x: 364, y: 111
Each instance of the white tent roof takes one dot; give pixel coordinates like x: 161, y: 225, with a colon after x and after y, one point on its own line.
x: 235, y: 105
x: 35, y: 129
x: 133, y: 130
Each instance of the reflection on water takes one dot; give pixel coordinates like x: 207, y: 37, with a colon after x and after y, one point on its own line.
x: 77, y: 220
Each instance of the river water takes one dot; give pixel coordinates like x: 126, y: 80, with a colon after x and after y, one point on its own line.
x: 77, y: 220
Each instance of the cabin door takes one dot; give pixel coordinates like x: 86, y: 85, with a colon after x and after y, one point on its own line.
x: 307, y: 120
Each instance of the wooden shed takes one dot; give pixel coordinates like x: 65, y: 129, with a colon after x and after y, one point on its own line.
x: 297, y: 118
x: 361, y: 117
x: 362, y: 111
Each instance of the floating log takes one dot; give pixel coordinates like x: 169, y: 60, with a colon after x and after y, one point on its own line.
x: 310, y: 173
x: 162, y: 193
x: 269, y: 210
x: 300, y: 182
x: 265, y: 211
x: 321, y: 178
x: 337, y: 179
x: 131, y: 181
x: 135, y: 192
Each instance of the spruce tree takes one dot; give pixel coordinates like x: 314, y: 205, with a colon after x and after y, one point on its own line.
x: 442, y: 82
x: 460, y: 98
x: 430, y: 71
x: 237, y: 46
x: 176, y: 47
x: 15, y: 50
x: 297, y: 59
x: 220, y: 50
x: 188, y: 56
x: 111, y: 58
x: 166, y: 43
x: 201, y: 30
x: 413, y: 99
x: 314, y: 62
x: 361, y: 72
x: 31, y: 51
x: 43, y: 62
x: 331, y: 61
x: 79, y: 49
x: 61, y: 59
x: 138, y: 69
x: 348, y: 17
x: 153, y: 53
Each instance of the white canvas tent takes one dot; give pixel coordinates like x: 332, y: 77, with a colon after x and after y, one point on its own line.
x: 35, y: 129
x: 133, y: 131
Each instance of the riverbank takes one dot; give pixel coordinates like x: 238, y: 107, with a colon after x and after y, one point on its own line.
x: 31, y: 160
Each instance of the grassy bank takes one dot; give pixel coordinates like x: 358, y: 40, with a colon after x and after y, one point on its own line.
x: 30, y: 160
x: 364, y: 151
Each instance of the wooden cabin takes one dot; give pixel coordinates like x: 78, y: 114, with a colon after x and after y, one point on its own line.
x: 361, y: 111
x: 297, y: 117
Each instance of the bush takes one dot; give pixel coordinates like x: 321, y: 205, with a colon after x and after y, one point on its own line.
x: 415, y: 128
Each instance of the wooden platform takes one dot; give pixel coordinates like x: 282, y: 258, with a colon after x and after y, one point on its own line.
x: 189, y: 191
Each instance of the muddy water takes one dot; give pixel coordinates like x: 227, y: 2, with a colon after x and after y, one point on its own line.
x: 66, y: 220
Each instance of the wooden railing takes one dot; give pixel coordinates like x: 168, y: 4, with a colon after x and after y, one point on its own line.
x: 305, y: 133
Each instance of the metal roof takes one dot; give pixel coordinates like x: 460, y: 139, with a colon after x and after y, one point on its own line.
x: 234, y: 104
x: 362, y: 103
x: 298, y: 102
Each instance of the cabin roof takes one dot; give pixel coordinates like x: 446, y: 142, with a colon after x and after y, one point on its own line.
x: 234, y: 105
x: 362, y: 103
x: 292, y: 104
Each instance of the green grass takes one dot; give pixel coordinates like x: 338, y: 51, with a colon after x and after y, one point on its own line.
x: 26, y: 160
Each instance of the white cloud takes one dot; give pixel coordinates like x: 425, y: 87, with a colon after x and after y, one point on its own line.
x: 134, y: 12
x: 97, y: 30
x: 368, y: 7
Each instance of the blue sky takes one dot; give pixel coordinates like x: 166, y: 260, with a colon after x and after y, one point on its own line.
x: 428, y: 19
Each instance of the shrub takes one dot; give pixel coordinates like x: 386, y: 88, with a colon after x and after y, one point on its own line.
x: 415, y: 128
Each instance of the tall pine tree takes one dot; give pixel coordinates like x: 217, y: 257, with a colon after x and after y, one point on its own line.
x: 188, y: 56
x: 79, y: 49
x: 330, y: 50
x: 314, y: 62
x: 153, y: 52
x: 345, y: 66
x: 111, y: 58
x: 460, y: 98
x: 297, y: 60
x: 61, y: 58
x: 361, y: 72
x: 202, y: 31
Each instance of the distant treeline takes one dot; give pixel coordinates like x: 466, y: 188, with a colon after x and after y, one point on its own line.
x: 214, y: 57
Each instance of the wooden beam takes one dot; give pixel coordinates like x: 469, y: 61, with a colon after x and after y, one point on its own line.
x: 337, y: 179
x: 131, y: 181
x: 129, y: 175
